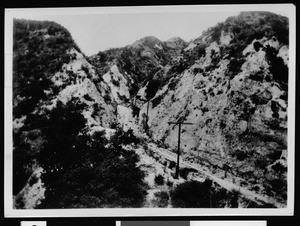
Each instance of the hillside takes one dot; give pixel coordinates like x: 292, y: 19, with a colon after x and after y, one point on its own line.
x: 237, y: 102
x: 71, y: 86
x: 231, y: 83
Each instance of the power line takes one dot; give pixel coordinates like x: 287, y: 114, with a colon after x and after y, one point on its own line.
x: 179, y: 123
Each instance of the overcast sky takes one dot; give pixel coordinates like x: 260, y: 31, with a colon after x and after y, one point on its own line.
x: 102, y: 28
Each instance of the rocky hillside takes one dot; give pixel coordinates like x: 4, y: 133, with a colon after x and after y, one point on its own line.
x: 231, y: 83
x: 52, y: 76
x: 235, y: 94
x: 48, y: 66
x: 143, y: 59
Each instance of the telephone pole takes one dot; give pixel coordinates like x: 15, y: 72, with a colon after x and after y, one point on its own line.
x: 179, y: 123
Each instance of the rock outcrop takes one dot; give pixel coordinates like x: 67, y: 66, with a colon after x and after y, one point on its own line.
x: 238, y: 106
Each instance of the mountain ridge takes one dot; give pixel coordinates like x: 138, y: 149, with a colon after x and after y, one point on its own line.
x: 231, y: 83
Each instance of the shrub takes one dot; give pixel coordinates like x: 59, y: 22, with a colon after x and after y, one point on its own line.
x: 152, y: 88
x: 107, y: 98
x: 277, y: 67
x: 275, y: 109
x: 223, y: 124
x: 261, y: 162
x: 274, y: 123
x: 33, y: 134
x: 209, y: 120
x: 179, y: 67
x: 216, y: 32
x: 279, y: 168
x: 124, y: 137
x: 33, y: 68
x: 169, y: 183
x: 279, y: 186
x: 173, y: 83
x: 22, y: 163
x: 284, y: 96
x: 201, y: 84
x: 197, y: 70
x: 114, y: 125
x: 257, y: 45
x: 76, y: 164
x: 156, y: 101
x: 116, y: 82
x: 159, y: 179
x: 200, y: 49
x: 204, y: 109
x: 240, y: 155
x: 184, y: 172
x: 161, y: 199
x: 88, y: 97
x: 96, y: 109
x: 19, y: 202
x: 234, y: 196
x: 219, y: 92
x: 234, y: 66
x: 257, y: 76
x: 133, y: 89
x: 261, y: 97
x: 219, y: 197
x: 191, y: 194
x: 33, y: 180
x: 172, y: 164
x: 85, y: 69
x: 123, y: 98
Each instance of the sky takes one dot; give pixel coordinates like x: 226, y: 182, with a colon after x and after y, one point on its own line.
x: 98, y: 29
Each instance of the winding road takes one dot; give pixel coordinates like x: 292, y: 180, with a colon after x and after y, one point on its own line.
x: 222, y: 182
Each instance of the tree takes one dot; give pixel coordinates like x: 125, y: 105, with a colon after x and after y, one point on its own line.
x: 36, y: 59
x: 23, y: 161
x: 87, y: 171
x: 133, y: 91
x: 151, y: 90
x: 192, y: 194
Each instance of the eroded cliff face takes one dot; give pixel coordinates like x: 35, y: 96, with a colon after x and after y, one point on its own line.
x: 239, y: 120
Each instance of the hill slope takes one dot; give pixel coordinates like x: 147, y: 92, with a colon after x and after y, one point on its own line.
x: 236, y: 100
x: 231, y: 83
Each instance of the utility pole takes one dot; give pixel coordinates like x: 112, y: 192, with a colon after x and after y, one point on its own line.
x: 179, y: 123
x: 148, y: 108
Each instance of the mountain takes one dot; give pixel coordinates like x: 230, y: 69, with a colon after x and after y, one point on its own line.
x: 236, y: 100
x: 176, y: 43
x: 49, y: 73
x: 231, y: 84
x: 143, y: 59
